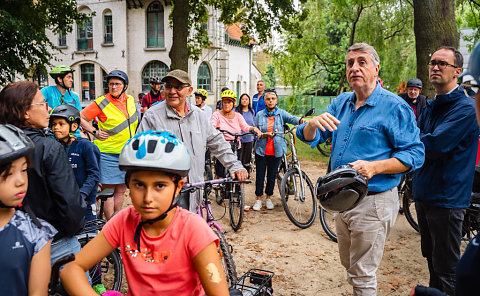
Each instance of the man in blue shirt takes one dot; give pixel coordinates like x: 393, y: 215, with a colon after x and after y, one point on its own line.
x: 443, y: 186
x: 374, y: 131
x: 258, y: 103
x: 60, y: 93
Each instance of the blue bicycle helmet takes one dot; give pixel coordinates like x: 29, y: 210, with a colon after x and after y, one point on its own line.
x: 118, y: 74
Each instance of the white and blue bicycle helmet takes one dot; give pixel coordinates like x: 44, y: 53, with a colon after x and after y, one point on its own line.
x: 156, y: 151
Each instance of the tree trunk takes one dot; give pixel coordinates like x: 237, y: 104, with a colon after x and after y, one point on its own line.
x: 179, y: 51
x: 434, y: 26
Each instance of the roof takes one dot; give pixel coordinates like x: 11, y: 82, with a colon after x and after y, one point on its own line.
x: 235, y: 32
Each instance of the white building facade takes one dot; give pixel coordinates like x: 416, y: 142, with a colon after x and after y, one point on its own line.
x: 134, y: 36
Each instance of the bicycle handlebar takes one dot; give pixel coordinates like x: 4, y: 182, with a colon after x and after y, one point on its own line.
x: 195, y: 186
x: 237, y: 135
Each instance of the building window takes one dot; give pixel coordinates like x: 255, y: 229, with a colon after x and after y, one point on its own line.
x: 152, y: 69
x: 107, y: 28
x: 62, y: 38
x: 85, y: 35
x: 155, y: 27
x: 204, y: 77
x: 88, y: 81
x: 104, y: 82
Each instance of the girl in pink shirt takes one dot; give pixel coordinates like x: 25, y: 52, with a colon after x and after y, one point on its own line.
x: 166, y: 250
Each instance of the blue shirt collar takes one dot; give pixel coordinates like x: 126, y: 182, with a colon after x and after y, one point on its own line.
x: 372, y: 99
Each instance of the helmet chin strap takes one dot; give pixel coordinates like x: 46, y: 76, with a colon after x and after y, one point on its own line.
x: 138, y: 230
x: 25, y: 208
x: 62, y: 85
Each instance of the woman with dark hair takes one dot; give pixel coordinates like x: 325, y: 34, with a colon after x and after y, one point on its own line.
x: 53, y: 193
x: 245, y: 109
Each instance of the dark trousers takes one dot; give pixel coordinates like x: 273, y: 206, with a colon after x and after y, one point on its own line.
x: 246, y: 153
x: 270, y: 164
x: 441, y: 233
x: 220, y: 170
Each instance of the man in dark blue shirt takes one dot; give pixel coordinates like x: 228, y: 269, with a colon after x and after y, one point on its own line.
x: 374, y: 131
x: 442, y: 187
x: 258, y: 103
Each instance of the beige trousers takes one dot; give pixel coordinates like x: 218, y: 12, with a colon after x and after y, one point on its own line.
x: 362, y: 233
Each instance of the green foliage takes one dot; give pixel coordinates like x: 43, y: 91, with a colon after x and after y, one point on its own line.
x: 312, y: 59
x: 23, y: 25
x: 468, y: 16
x: 255, y: 19
x: 269, y: 77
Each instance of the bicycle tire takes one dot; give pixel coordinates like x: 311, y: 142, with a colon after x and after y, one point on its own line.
x: 408, y: 207
x: 236, y: 209
x: 111, y: 269
x: 301, y: 212
x: 471, y: 224
x: 325, y: 147
x: 327, y: 221
x: 282, y: 170
x: 226, y: 259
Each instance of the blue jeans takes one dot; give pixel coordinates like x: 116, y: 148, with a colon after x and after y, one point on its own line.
x: 270, y: 164
x: 63, y: 247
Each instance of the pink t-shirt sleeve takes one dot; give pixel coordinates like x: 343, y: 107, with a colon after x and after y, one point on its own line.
x: 114, y: 227
x: 242, y: 122
x: 200, y: 235
x: 215, y: 119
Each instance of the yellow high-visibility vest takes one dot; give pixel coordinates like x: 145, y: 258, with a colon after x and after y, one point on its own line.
x: 120, y: 127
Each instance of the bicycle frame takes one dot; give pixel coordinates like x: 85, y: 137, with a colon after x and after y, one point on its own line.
x: 293, y: 163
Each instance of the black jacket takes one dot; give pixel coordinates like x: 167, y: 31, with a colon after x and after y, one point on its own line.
x: 53, y: 193
x: 421, y: 102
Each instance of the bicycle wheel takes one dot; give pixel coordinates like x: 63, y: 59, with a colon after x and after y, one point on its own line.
x: 409, y: 207
x: 109, y: 271
x: 328, y: 224
x: 226, y: 259
x: 325, y: 148
x: 236, y: 208
x: 282, y: 169
x: 471, y: 223
x: 301, y: 210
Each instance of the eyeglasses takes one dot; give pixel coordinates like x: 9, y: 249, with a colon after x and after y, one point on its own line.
x: 112, y: 85
x: 441, y: 64
x: 177, y: 87
x: 43, y: 103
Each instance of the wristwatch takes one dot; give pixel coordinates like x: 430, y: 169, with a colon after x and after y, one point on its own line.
x: 94, y: 132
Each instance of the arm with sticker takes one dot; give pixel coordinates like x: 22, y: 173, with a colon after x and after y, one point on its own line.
x: 209, y: 269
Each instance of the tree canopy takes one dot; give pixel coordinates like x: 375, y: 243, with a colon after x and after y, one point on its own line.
x: 23, y: 23
x: 256, y: 18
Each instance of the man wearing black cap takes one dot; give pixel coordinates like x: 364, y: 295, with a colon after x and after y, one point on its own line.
x: 413, y: 96
x: 190, y: 125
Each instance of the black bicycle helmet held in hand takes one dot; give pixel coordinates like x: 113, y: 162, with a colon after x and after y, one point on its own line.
x: 341, y: 190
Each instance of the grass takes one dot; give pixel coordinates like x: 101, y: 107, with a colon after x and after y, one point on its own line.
x: 305, y: 152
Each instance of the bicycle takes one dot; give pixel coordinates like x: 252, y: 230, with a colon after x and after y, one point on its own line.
x: 327, y: 219
x: 205, y: 211
x: 300, y: 207
x: 255, y: 282
x: 325, y: 148
x: 233, y: 191
x: 408, y: 205
x: 109, y: 271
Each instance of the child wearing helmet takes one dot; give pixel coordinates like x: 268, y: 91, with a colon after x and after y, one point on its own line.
x: 200, y: 96
x: 228, y: 119
x: 84, y: 156
x: 26, y: 239
x: 166, y: 250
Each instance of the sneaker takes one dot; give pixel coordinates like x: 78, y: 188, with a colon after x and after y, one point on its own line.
x: 258, y: 205
x: 269, y: 204
x: 100, y: 289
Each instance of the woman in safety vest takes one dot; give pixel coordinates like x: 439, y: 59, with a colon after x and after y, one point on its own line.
x: 118, y: 121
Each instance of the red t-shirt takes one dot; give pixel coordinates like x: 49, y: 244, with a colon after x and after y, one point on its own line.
x: 270, y: 149
x: 164, y: 265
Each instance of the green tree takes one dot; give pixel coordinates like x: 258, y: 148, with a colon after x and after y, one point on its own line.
x: 256, y: 19
x: 269, y: 77
x: 313, y: 56
x: 24, y: 44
